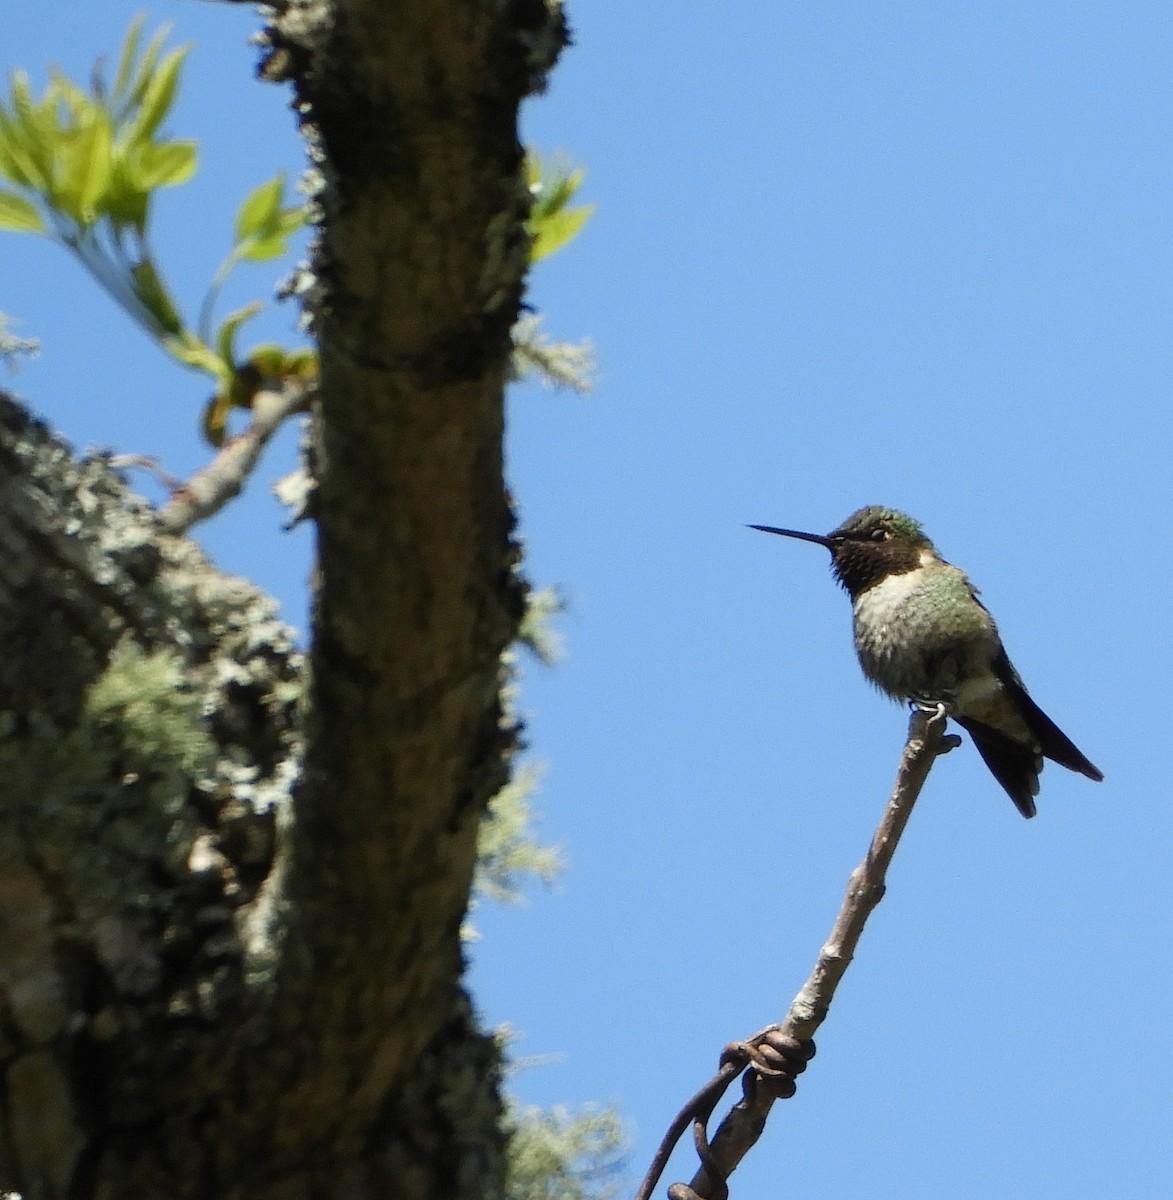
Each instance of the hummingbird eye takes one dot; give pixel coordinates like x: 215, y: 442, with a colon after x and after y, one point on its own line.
x: 880, y: 535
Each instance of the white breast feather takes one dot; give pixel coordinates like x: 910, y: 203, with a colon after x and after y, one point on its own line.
x: 880, y: 605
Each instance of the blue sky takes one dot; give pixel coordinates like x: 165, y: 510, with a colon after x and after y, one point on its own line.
x: 906, y: 253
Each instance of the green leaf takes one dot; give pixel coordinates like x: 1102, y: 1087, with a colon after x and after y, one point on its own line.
x: 63, y: 91
x: 269, y: 359
x: 262, y: 249
x: 290, y: 220
x: 164, y: 164
x: 158, y: 96
x: 302, y: 364
x: 126, y: 202
x: 15, y: 164
x: 275, y: 362
x: 189, y: 350
x: 24, y: 135
x: 551, y: 222
x: 273, y: 242
x: 215, y: 418
x: 19, y: 215
x: 259, y: 210
x: 23, y: 107
x: 560, y: 193
x: 154, y: 297
x: 553, y: 232
x: 127, y: 57
x: 146, y: 67
x: 226, y: 337
x: 552, y: 188
x: 86, y: 169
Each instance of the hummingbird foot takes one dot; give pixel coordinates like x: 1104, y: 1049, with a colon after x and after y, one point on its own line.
x: 939, y: 707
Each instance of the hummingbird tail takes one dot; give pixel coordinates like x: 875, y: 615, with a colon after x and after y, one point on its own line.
x: 1013, y: 764
x: 1055, y: 744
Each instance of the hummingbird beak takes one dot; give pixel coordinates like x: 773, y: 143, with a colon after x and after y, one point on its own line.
x: 820, y: 538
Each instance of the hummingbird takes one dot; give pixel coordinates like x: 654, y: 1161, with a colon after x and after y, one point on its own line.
x: 922, y: 635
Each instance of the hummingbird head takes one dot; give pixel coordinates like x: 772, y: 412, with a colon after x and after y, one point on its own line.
x: 870, y: 545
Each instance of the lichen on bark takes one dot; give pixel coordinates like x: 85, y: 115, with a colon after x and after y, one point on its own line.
x: 231, y: 967
x: 148, y: 736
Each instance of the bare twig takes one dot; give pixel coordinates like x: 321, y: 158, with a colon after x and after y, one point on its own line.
x: 211, y: 487
x: 142, y: 462
x: 776, y: 1054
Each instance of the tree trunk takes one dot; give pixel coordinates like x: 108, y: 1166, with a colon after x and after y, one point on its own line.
x: 231, y: 887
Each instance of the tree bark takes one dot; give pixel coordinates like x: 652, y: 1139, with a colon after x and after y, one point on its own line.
x: 231, y: 886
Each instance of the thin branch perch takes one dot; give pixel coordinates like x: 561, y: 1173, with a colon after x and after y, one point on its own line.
x: 211, y: 487
x: 776, y: 1054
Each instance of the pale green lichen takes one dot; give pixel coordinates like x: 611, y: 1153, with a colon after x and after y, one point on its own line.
x: 554, y: 364
x: 507, y: 852
x: 556, y: 1154
x: 143, y: 696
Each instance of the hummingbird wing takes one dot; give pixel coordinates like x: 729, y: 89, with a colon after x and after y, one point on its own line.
x: 1014, y: 764
x: 1055, y: 744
